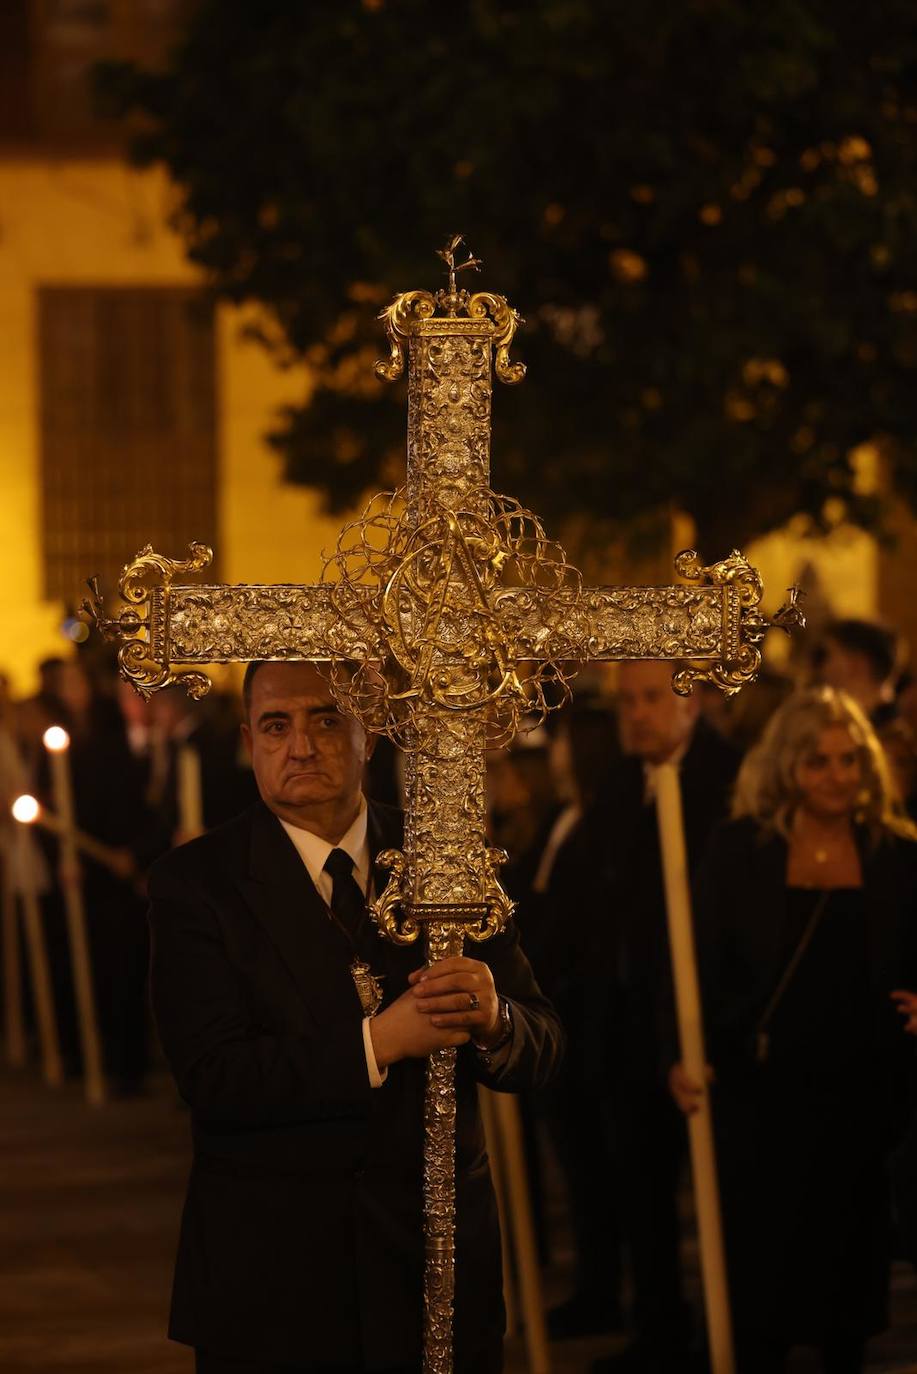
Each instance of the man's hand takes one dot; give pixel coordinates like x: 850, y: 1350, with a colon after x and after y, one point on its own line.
x: 458, y: 993
x: 403, y: 1032
x: 686, y: 1091
x: 906, y: 1002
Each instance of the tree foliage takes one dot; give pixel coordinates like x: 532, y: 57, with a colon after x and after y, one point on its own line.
x: 706, y: 209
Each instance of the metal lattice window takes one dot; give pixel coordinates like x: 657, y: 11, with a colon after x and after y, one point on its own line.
x: 128, y: 448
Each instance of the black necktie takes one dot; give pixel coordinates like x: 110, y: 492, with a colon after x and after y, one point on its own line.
x: 347, y: 900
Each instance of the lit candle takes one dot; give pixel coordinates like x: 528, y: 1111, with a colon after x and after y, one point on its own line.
x: 26, y: 811
x: 57, y: 742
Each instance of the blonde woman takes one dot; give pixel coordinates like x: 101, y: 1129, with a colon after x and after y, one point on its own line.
x: 807, y: 925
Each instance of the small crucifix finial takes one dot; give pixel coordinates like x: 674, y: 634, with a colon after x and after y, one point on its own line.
x: 452, y: 299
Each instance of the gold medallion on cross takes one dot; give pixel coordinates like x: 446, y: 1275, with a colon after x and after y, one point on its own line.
x: 444, y: 616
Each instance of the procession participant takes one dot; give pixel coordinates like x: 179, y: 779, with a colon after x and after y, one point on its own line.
x: 860, y: 657
x: 302, y: 1237
x: 109, y: 806
x: 211, y: 730
x: 564, y: 901
x: 806, y: 912
x: 633, y: 981
x: 34, y: 714
x: 521, y: 808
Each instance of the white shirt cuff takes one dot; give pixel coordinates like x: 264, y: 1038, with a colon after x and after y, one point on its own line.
x: 376, y: 1079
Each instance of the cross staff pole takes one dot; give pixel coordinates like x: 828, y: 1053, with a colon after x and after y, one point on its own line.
x: 691, y: 1038
x: 444, y: 616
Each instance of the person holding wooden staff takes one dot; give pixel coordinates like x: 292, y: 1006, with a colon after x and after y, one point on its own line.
x: 670, y: 817
x: 806, y: 914
x: 559, y: 911
x: 632, y: 990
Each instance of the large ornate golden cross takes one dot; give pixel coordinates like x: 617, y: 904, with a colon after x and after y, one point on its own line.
x: 444, y: 616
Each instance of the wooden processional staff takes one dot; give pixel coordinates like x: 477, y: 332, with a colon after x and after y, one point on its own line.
x: 444, y: 616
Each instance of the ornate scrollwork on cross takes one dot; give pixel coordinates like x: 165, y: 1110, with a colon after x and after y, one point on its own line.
x: 401, y: 920
x: 145, y: 656
x: 741, y: 658
x: 384, y: 910
x: 410, y: 308
x: 444, y: 616
x: 439, y: 636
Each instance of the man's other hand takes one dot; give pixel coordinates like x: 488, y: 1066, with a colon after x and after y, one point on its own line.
x: 687, y: 1092
x: 460, y: 993
x: 403, y: 1032
x: 906, y: 1003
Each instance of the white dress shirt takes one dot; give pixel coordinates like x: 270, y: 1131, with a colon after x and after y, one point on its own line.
x: 314, y: 851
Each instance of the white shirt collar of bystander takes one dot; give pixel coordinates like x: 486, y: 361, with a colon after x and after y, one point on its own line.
x: 314, y: 851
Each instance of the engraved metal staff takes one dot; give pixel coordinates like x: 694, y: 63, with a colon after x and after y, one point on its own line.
x: 444, y: 615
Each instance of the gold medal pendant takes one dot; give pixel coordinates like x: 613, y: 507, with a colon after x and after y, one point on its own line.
x: 368, y: 986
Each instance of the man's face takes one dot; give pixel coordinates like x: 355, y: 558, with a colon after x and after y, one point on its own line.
x: 653, y: 721
x: 850, y: 672
x: 308, y: 758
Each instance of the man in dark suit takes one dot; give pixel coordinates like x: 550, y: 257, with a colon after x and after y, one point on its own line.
x: 631, y: 955
x: 301, y: 1245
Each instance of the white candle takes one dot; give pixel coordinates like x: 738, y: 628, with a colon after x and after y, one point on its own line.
x: 57, y: 742
x: 26, y: 810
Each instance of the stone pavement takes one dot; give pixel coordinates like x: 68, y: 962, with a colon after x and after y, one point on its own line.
x: 89, y: 1209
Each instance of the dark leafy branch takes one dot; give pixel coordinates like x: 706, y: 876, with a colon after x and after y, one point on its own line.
x: 707, y: 211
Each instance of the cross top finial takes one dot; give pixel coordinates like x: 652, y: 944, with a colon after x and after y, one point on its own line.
x: 415, y: 312
x: 454, y: 300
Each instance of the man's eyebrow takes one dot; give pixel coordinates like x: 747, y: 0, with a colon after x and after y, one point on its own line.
x: 273, y: 715
x: 326, y: 709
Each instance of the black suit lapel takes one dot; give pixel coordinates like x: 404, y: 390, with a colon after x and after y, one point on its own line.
x: 280, y: 892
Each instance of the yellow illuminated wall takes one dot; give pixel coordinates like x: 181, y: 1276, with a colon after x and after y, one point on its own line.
x: 98, y: 223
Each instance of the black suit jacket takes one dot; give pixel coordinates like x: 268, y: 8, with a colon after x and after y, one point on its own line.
x: 301, y: 1237
x: 740, y: 916
x: 605, y: 951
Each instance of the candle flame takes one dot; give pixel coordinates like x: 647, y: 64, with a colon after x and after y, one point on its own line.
x: 25, y: 809
x: 56, y: 739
